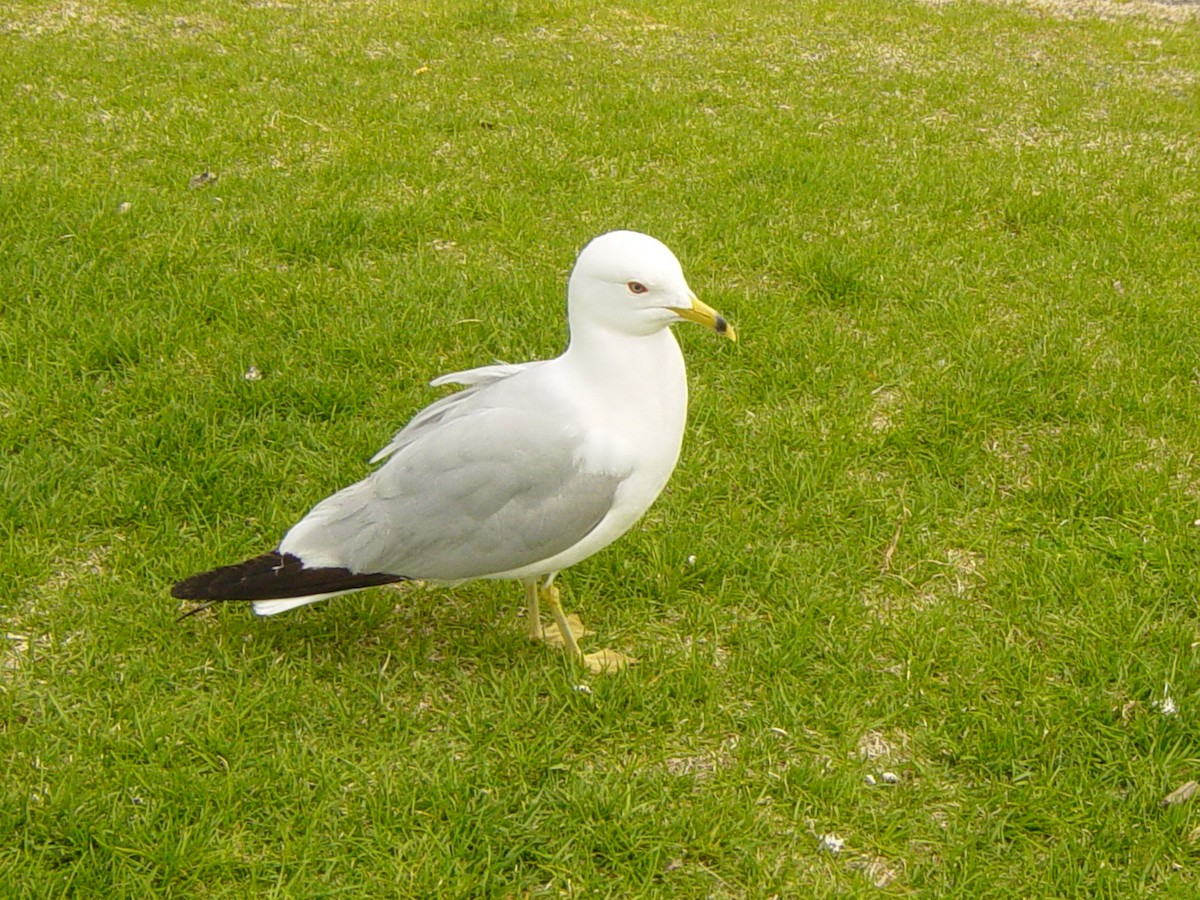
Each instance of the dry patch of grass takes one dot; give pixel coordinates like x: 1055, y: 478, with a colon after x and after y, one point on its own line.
x: 1167, y: 11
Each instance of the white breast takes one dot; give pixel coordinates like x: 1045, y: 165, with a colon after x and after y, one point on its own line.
x: 637, y: 422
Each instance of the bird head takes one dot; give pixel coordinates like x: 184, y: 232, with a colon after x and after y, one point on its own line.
x: 632, y: 283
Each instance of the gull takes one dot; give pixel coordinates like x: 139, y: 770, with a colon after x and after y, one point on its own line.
x: 529, y: 469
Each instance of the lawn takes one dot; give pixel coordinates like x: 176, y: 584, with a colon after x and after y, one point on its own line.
x: 917, y: 614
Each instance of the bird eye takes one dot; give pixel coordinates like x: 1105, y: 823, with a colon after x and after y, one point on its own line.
x: 636, y: 287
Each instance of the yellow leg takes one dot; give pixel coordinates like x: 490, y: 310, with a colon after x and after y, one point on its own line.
x: 550, y: 595
x: 597, y: 663
x: 533, y: 615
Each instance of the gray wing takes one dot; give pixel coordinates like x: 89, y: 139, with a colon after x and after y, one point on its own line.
x: 455, y: 404
x: 472, y: 487
x: 484, y: 374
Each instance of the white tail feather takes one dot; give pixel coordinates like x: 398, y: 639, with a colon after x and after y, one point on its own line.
x: 274, y: 607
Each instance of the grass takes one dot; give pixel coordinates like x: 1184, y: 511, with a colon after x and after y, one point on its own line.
x: 936, y: 515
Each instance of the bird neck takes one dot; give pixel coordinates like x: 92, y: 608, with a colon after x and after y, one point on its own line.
x: 639, y: 378
x: 626, y: 358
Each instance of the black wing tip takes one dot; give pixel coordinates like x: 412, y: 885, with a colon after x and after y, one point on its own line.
x: 222, y: 583
x: 192, y: 587
x: 274, y: 576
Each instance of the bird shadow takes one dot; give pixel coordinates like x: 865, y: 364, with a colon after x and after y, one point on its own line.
x: 410, y: 625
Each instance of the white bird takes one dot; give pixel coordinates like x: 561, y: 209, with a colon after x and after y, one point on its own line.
x: 530, y: 469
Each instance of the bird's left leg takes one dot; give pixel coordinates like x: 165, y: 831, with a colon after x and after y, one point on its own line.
x: 550, y: 594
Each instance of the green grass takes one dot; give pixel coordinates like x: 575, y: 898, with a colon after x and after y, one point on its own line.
x: 941, y: 498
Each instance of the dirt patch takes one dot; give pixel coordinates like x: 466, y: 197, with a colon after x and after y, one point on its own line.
x: 1161, y: 10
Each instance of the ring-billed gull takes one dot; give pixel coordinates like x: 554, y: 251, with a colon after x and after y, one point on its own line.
x: 530, y: 469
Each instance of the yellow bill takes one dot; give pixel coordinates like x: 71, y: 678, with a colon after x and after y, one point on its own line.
x: 703, y: 314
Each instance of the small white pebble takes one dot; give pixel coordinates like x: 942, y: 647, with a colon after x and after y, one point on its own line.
x: 252, y: 374
x: 831, y: 843
x: 869, y: 780
x: 691, y: 560
x: 890, y: 777
x: 1166, y: 706
x: 124, y: 208
x: 582, y: 688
